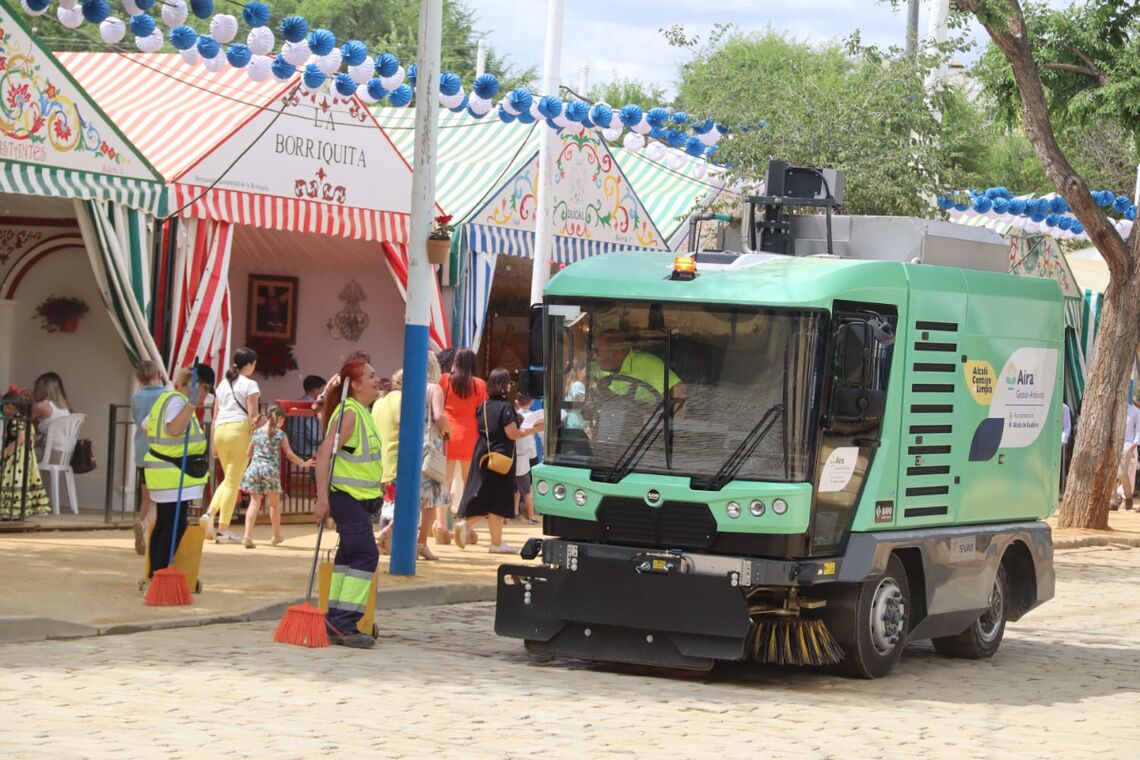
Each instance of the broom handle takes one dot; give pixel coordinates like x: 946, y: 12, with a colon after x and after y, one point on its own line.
x: 332, y: 466
x: 182, y: 469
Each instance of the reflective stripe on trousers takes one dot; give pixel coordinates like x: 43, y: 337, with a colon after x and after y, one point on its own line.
x: 354, y: 564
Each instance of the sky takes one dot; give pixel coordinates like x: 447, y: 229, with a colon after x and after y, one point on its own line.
x: 621, y: 38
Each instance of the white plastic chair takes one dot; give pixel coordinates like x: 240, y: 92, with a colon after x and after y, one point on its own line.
x: 59, y: 444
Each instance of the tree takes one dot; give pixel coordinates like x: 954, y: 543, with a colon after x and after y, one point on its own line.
x: 621, y: 91
x: 1075, y: 67
x: 859, y: 108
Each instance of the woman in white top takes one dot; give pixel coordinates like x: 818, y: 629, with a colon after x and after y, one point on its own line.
x: 235, y: 417
x: 50, y: 403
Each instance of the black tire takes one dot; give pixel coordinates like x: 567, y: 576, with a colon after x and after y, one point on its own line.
x: 881, y: 620
x: 983, y: 637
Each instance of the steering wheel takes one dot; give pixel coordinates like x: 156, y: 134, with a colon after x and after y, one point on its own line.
x: 606, y: 382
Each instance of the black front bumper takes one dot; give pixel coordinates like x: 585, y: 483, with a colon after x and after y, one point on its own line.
x: 606, y: 610
x: 629, y: 604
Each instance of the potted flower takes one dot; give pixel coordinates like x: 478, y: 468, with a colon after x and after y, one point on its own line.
x: 439, y: 240
x: 274, y: 356
x: 61, y: 313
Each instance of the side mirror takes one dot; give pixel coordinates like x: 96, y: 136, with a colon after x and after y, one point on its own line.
x: 856, y: 394
x: 856, y: 346
x: 531, y: 379
x: 531, y: 382
x: 536, y: 333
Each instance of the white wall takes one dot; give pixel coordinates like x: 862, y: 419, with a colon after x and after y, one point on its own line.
x: 91, y: 361
x: 317, y: 351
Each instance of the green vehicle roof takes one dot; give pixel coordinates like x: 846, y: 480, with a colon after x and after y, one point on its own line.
x: 782, y: 281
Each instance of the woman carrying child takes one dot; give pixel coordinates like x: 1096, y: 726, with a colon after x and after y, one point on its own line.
x: 262, y: 479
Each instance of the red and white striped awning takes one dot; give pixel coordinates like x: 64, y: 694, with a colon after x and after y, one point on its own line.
x: 182, y: 117
x: 175, y: 114
x: 291, y: 214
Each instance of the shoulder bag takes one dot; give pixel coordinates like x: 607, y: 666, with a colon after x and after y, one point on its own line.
x: 83, y: 456
x: 435, y: 460
x: 493, y: 460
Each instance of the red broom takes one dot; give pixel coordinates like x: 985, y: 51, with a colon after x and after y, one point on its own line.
x: 303, y: 624
x: 168, y: 587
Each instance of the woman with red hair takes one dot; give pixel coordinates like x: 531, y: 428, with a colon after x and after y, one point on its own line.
x: 351, y: 492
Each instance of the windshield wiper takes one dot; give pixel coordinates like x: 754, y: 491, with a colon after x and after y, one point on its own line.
x: 641, y: 442
x: 741, y: 453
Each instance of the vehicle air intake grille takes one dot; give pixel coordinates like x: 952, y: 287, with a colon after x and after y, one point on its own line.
x: 673, y: 525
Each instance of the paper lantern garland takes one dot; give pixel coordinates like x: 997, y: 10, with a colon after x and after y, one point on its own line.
x: 1047, y: 215
x: 349, y: 70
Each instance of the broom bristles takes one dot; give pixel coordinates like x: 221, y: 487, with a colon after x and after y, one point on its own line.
x: 168, y: 588
x: 303, y: 625
x: 799, y: 641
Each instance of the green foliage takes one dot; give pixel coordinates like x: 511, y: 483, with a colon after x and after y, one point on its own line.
x: 619, y: 92
x: 861, y: 109
x: 1088, y: 57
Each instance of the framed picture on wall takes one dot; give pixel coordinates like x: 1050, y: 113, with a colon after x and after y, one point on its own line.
x: 272, y: 307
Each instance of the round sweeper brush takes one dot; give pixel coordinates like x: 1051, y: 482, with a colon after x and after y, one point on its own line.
x: 797, y: 641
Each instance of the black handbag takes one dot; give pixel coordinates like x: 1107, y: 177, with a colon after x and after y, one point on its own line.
x: 83, y: 457
x: 197, y: 465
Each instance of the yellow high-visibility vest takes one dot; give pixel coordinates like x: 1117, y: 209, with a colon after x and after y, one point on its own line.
x: 164, y: 476
x: 357, y: 469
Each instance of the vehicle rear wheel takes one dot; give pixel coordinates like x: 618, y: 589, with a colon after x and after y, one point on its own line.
x: 882, y: 614
x: 984, y: 636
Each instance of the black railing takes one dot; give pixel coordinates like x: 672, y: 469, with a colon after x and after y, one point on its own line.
x: 17, y: 463
x: 298, y: 484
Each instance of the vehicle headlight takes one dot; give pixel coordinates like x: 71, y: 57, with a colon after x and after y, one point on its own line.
x: 756, y: 507
x: 542, y: 488
x: 559, y: 491
x: 733, y: 509
x: 779, y: 506
x: 580, y: 497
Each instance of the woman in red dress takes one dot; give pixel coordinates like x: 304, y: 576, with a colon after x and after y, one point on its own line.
x: 463, y: 393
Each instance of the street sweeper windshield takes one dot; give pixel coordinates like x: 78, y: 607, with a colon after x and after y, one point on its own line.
x: 701, y: 390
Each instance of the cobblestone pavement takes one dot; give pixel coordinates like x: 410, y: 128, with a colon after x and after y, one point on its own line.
x: 1065, y: 684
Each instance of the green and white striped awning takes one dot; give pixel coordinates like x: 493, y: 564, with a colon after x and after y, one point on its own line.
x: 476, y: 156
x: 668, y: 195
x: 53, y: 182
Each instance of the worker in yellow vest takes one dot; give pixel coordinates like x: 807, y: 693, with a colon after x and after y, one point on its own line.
x: 166, y: 434
x: 353, y: 494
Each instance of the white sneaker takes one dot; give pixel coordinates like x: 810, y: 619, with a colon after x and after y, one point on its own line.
x: 207, y: 523
x: 502, y: 549
x: 227, y: 538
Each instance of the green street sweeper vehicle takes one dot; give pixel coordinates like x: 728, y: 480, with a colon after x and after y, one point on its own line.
x: 843, y: 439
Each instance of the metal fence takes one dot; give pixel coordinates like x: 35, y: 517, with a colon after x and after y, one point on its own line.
x: 124, y: 480
x: 18, y: 462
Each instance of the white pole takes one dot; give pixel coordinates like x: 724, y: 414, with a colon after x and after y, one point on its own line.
x: 548, y: 142
x: 481, y: 57
x: 420, y: 291
x: 584, y: 80
x: 937, y: 32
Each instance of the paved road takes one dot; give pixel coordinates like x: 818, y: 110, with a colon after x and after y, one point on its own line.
x: 1064, y: 685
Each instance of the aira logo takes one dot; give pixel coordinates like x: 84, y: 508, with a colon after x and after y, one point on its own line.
x: 1021, y: 378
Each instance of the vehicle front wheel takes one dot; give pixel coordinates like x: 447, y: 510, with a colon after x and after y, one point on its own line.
x: 882, y: 615
x: 984, y: 636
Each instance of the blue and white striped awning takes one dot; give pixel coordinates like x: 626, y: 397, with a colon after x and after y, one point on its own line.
x: 51, y: 182
x: 484, y: 238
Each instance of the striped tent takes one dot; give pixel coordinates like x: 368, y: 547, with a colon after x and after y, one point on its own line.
x: 476, y: 156
x: 56, y: 142
x: 479, y: 158
x: 265, y: 155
